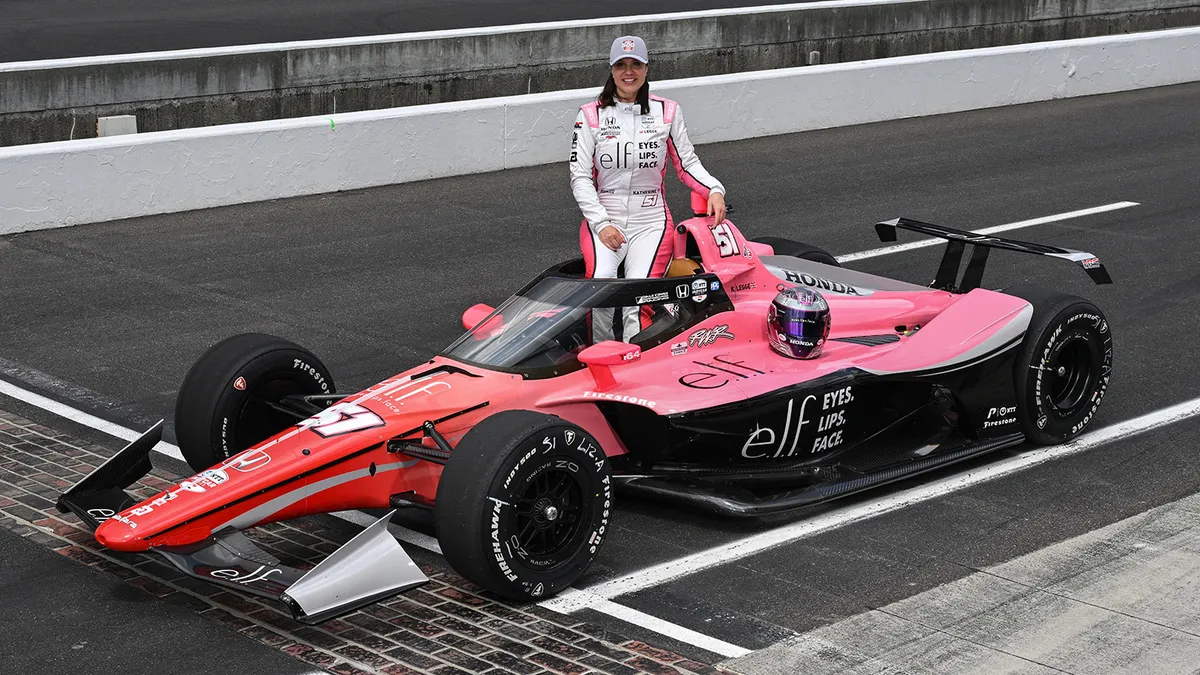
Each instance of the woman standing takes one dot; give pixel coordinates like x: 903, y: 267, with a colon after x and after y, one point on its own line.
x: 619, y: 152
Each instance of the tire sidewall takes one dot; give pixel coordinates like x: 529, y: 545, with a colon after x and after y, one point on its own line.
x: 798, y: 249
x: 555, y: 446
x: 289, y: 365
x: 211, y: 397
x: 1074, y: 322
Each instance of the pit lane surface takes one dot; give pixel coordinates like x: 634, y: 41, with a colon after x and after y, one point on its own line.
x: 110, y: 316
x: 51, y: 29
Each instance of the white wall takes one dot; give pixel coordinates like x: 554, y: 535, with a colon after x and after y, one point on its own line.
x: 72, y: 182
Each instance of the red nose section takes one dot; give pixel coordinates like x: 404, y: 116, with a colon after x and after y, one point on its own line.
x: 120, y: 535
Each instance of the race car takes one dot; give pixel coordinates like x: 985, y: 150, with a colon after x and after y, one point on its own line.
x: 517, y: 435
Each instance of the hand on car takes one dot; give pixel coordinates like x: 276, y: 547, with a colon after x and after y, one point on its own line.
x: 611, y: 237
x: 716, y: 205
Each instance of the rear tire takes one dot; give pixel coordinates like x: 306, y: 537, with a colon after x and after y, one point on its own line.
x: 221, y: 407
x: 797, y: 249
x: 1063, y: 367
x: 523, y: 504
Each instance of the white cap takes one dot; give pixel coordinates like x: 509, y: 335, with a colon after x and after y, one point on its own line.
x: 628, y: 46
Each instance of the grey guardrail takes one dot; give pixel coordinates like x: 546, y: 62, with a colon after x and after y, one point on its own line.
x: 61, y: 99
x: 72, y: 182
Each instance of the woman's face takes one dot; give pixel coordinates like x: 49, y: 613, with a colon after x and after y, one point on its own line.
x: 630, y: 75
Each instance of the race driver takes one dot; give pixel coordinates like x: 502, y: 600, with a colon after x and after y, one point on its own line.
x: 621, y: 144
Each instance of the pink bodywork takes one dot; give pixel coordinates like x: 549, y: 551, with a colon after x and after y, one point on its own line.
x: 725, y: 359
x: 745, y: 364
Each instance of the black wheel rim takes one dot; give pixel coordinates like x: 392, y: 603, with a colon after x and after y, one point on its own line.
x: 547, y: 518
x: 1072, y: 376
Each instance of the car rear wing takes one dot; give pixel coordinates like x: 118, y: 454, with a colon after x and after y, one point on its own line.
x: 973, y: 276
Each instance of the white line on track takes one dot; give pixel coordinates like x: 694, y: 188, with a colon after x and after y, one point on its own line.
x: 598, y: 597
x: 660, y: 626
x: 80, y: 417
x: 898, y: 248
x: 726, y: 553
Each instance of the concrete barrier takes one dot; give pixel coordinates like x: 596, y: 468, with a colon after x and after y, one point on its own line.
x: 61, y: 99
x: 66, y: 183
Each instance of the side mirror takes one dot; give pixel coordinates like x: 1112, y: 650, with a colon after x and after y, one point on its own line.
x: 601, y: 357
x: 475, y: 314
x: 610, y: 353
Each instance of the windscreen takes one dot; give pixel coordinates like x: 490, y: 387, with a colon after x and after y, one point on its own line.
x: 541, y: 330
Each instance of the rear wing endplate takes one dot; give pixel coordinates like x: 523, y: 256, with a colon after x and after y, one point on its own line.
x: 973, y: 276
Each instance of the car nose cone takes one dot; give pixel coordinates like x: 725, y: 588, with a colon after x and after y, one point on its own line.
x: 119, y: 536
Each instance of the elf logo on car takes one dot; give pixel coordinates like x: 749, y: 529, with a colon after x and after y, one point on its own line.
x: 829, y: 412
x: 719, y: 377
x: 241, y: 577
x: 429, y: 386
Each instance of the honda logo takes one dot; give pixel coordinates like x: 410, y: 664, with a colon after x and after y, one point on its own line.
x: 250, y: 461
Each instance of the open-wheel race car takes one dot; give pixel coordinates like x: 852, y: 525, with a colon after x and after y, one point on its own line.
x: 518, y: 433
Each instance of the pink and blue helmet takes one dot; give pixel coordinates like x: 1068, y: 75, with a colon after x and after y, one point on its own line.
x: 798, y: 323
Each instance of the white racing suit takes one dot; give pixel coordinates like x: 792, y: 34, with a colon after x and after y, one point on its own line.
x: 618, y: 163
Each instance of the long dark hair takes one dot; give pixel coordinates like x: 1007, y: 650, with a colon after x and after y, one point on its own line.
x: 608, y: 95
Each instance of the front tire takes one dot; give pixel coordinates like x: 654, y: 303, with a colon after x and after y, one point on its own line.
x: 798, y: 249
x: 1063, y: 367
x: 523, y: 504
x: 223, y: 403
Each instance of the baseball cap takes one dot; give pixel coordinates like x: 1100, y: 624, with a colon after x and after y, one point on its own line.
x: 629, y: 46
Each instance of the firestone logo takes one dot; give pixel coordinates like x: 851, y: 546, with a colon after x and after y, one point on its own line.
x: 619, y: 397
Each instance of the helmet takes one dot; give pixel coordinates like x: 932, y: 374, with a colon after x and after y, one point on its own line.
x: 798, y: 323
x: 683, y: 267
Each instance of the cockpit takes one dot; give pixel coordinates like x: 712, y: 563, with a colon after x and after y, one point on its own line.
x: 539, y: 331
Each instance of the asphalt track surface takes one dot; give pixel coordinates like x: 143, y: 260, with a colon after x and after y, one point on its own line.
x: 51, y: 29
x: 108, y: 318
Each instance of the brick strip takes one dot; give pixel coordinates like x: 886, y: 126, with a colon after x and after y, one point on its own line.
x: 449, y: 626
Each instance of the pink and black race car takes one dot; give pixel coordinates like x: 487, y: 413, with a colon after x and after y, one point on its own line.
x: 518, y: 434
